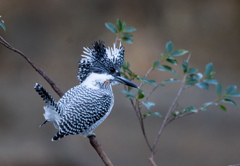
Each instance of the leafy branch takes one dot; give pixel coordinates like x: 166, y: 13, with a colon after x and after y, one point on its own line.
x: 191, y: 77
x: 121, y: 31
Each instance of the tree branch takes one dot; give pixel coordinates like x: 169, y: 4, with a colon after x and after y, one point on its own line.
x: 92, y: 139
x: 172, y: 107
x: 191, y: 113
x: 100, y: 150
x: 39, y: 70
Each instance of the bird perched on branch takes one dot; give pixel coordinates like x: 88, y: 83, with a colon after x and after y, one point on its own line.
x: 85, y: 106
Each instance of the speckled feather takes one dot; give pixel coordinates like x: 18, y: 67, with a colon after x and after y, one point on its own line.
x: 83, y: 109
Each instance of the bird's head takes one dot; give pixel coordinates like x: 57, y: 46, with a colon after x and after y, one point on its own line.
x: 103, y: 65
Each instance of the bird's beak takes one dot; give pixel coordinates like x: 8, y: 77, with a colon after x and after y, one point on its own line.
x: 125, y: 82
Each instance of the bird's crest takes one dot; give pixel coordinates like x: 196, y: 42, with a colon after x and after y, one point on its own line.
x: 100, y: 58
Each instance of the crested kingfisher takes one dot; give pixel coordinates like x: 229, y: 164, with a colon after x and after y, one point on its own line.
x: 85, y: 106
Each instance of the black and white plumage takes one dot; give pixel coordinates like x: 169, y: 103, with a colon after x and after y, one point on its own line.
x: 86, y: 106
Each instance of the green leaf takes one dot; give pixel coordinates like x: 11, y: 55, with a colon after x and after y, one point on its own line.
x: 167, y: 68
x: 140, y: 94
x: 2, y: 25
x: 198, y: 76
x: 227, y: 100
x: 179, y: 52
x: 124, y: 75
x: 152, y: 113
x: 236, y: 94
x: 156, y: 64
x: 171, y: 80
x: 191, y: 82
x: 126, y: 69
x: 219, y: 89
x: 185, y: 66
x: 129, y: 29
x: 125, y: 64
x: 203, y: 109
x: 172, y: 60
x: 202, y: 85
x: 208, y: 70
x: 231, y: 89
x: 144, y: 80
x: 128, y: 64
x: 160, y: 85
x: 207, y: 104
x: 148, y: 104
x: 162, y: 56
x: 210, y: 81
x: 222, y: 107
x: 176, y: 113
x: 127, y: 35
x: 190, y: 109
x: 169, y: 47
x: 111, y: 27
x: 123, y: 25
x: 192, y: 71
x: 128, y: 94
x: 127, y: 40
x: 119, y: 25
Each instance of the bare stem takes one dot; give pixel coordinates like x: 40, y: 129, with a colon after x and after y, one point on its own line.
x: 152, y: 161
x: 116, y: 40
x: 142, y: 124
x: 137, y: 109
x: 155, y: 88
x: 149, y: 71
x: 92, y: 139
x: 172, y: 107
x: 100, y: 151
x: 39, y: 70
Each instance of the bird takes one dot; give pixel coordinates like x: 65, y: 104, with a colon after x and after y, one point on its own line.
x: 84, y: 107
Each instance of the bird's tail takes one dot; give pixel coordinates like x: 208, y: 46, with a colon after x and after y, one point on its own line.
x: 47, y: 98
x: 52, y: 112
x: 58, y: 136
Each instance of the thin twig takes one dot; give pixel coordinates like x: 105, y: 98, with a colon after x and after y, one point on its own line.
x: 142, y: 125
x: 92, y: 139
x: 169, y: 113
x: 148, y: 72
x: 234, y: 165
x: 150, y: 94
x: 39, y: 70
x: 191, y: 113
x: 116, y: 40
x: 152, y: 161
x: 137, y: 110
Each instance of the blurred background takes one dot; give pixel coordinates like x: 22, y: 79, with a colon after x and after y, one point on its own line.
x: 52, y: 33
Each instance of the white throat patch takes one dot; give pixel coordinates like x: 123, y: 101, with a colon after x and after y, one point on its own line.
x: 94, y: 78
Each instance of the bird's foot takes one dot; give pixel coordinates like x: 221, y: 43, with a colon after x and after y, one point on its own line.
x: 91, y: 135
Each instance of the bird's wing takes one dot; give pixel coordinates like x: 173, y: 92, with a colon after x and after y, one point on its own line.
x: 86, y: 112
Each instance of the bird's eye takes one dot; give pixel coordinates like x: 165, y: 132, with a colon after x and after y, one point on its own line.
x: 112, y: 70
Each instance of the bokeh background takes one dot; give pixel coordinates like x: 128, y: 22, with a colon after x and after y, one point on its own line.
x: 52, y: 33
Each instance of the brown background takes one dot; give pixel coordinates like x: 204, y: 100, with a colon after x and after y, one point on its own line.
x: 52, y: 34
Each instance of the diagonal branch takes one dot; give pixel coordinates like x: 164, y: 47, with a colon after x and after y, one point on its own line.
x: 172, y: 107
x: 39, y: 70
x: 92, y: 139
